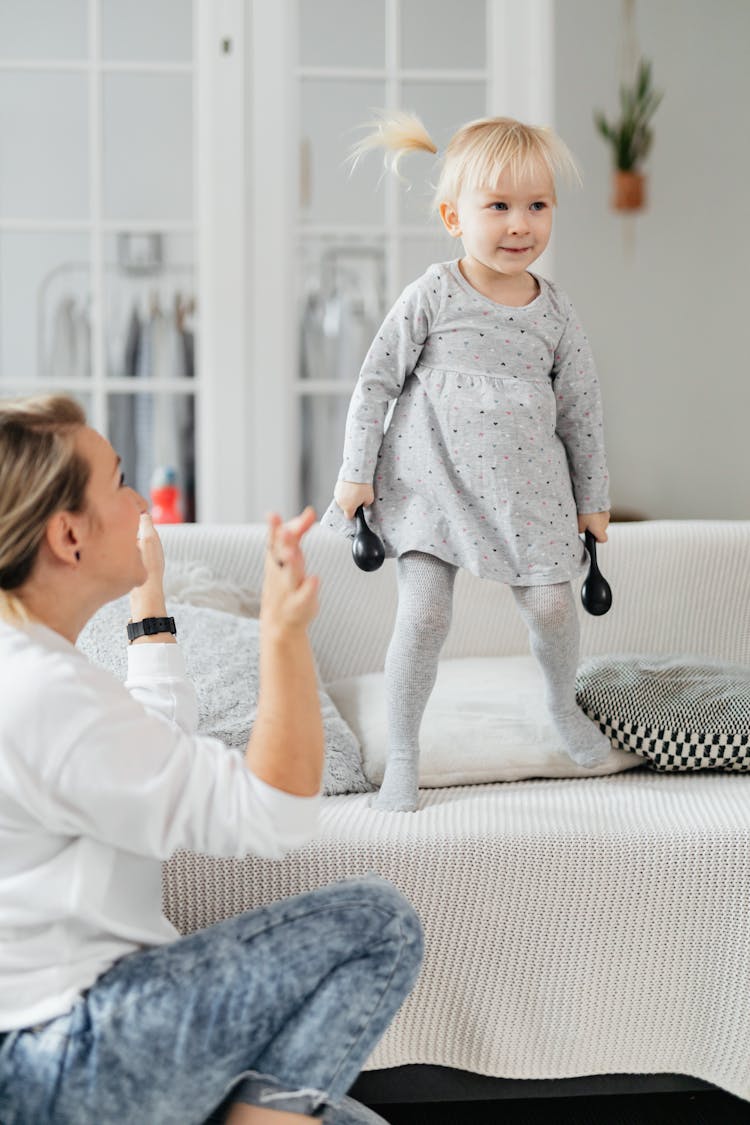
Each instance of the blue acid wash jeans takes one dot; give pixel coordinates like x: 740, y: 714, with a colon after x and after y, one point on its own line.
x: 277, y: 1008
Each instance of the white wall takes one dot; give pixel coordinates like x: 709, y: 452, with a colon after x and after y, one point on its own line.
x: 667, y: 323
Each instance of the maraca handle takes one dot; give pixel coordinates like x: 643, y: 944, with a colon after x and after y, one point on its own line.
x: 591, y: 547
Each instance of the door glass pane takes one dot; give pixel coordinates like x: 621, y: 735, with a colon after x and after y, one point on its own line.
x: 323, y: 420
x: 45, y: 288
x: 444, y: 107
x: 149, y: 325
x: 148, y: 146
x: 448, y: 35
x: 342, y: 306
x: 147, y: 32
x: 44, y: 145
x: 342, y: 33
x: 43, y: 29
x: 331, y: 113
x: 154, y: 434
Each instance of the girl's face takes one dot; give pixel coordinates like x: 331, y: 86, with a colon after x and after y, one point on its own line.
x: 505, y: 227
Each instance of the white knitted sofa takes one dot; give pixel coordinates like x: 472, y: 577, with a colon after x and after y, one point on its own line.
x: 574, y: 928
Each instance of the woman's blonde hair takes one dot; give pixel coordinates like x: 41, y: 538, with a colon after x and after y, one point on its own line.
x: 476, y: 155
x: 41, y: 472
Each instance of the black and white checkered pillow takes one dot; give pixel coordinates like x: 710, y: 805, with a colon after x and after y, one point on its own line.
x: 677, y: 713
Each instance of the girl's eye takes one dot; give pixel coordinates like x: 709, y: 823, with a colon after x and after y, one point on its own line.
x: 499, y: 206
x: 538, y: 206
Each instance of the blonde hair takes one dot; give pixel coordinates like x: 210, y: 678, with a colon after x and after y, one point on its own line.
x: 476, y: 155
x: 41, y: 472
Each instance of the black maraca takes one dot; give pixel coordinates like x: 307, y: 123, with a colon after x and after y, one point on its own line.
x: 368, y: 551
x: 596, y: 592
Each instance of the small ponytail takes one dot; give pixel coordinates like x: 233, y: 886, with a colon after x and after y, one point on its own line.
x: 398, y: 133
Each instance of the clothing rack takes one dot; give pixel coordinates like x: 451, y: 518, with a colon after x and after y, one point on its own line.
x: 159, y: 272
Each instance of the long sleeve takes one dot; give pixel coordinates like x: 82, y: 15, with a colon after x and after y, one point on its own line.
x: 156, y: 679
x: 392, y: 357
x: 580, y: 423
x: 126, y: 768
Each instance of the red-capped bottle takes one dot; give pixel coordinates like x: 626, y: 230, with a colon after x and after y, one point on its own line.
x: 166, y: 501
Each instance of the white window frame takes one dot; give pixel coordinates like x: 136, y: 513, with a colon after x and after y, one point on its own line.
x: 99, y: 384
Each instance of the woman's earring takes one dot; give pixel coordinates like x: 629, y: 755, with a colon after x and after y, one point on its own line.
x: 78, y: 556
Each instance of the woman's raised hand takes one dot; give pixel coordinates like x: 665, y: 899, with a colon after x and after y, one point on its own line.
x: 147, y: 600
x: 290, y: 597
x: 152, y: 552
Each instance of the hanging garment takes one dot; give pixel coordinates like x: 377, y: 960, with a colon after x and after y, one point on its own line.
x: 61, y: 362
x: 82, y: 340
x: 144, y: 406
x: 167, y: 363
x: 184, y: 312
x: 121, y: 410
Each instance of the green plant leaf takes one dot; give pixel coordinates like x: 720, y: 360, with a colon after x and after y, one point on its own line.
x: 630, y: 136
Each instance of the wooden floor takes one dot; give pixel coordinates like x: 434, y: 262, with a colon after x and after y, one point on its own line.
x: 710, y: 1108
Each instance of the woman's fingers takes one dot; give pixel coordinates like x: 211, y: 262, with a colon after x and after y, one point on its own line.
x: 301, y: 523
x: 284, y: 539
x: 289, y: 594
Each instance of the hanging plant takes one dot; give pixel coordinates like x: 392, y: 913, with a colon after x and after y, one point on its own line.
x: 631, y: 138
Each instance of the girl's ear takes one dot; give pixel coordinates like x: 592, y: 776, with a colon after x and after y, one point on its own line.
x: 449, y: 215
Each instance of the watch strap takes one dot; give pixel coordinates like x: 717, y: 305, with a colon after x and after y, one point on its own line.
x: 150, y: 626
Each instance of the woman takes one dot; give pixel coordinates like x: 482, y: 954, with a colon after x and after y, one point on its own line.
x: 106, y: 1014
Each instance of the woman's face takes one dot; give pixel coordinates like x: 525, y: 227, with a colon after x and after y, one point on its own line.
x: 109, y: 529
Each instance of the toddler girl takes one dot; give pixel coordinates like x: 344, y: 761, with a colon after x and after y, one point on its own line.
x: 493, y: 458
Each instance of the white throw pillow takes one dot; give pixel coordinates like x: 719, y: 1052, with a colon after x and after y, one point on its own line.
x: 485, y: 721
x: 194, y: 582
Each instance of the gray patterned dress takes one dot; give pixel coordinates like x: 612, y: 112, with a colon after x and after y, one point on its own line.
x: 495, y: 441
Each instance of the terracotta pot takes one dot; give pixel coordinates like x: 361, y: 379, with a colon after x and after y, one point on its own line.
x: 628, y: 191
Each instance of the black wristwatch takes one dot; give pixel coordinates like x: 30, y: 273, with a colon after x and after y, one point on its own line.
x: 150, y: 626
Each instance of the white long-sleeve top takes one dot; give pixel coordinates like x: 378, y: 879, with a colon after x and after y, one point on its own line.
x: 99, y: 783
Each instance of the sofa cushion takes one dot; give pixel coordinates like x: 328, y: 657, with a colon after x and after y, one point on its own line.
x: 485, y: 721
x: 194, y: 582
x: 221, y: 658
x: 678, y: 713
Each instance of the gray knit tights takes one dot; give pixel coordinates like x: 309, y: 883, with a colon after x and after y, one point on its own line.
x: 552, y: 621
x: 425, y: 599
